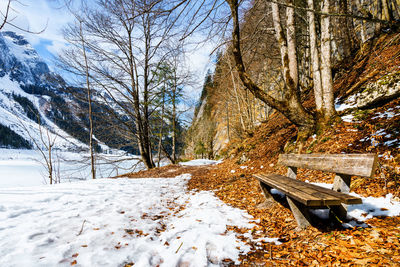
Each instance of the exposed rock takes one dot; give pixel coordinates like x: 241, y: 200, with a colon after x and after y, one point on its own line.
x: 384, y: 89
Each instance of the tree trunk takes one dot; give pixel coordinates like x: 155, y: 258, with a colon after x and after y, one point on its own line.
x: 344, y: 29
x: 141, y: 127
x: 326, y: 68
x: 89, y: 96
x: 50, y: 164
x: 315, y: 63
x: 174, y: 89
x: 291, y: 107
x: 386, y: 11
x: 146, y: 82
x: 161, y: 126
x: 291, y: 45
x: 237, y: 97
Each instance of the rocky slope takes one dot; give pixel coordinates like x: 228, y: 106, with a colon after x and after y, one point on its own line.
x: 35, y: 102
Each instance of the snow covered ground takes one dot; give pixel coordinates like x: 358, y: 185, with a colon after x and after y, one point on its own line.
x: 20, y: 167
x: 105, y: 222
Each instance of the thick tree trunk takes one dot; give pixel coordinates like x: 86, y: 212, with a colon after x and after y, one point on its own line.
x: 315, y: 63
x: 386, y: 11
x: 345, y: 30
x: 326, y: 66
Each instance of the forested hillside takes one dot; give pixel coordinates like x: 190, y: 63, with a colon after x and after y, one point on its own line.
x: 317, y: 69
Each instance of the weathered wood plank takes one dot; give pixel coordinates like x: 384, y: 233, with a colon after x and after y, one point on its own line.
x: 311, y: 188
x: 342, y: 183
x: 363, y: 165
x: 265, y: 189
x: 294, y: 192
x: 315, y: 189
x: 307, y: 194
x: 299, y: 192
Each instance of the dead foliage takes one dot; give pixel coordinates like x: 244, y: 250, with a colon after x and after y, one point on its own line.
x: 327, y: 245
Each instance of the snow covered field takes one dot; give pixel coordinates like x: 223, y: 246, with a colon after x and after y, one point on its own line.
x: 20, y: 167
x: 107, y: 222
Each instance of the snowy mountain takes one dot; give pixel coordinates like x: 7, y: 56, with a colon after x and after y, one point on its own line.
x: 23, y: 64
x: 30, y: 93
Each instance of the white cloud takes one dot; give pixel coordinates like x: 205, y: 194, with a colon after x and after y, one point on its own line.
x: 36, y: 15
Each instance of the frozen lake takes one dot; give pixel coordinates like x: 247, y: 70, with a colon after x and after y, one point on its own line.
x: 25, y: 167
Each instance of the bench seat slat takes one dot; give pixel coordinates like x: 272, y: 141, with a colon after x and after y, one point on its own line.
x: 311, y: 188
x: 308, y: 194
x: 295, y: 191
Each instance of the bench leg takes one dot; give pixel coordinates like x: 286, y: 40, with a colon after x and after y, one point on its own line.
x: 265, y: 189
x: 300, y: 212
x: 339, y: 211
x: 269, y: 200
x: 342, y: 183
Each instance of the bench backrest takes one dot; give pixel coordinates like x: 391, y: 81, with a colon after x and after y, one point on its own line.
x: 349, y: 164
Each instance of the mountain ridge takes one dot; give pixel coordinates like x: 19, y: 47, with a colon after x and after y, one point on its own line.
x: 26, y: 83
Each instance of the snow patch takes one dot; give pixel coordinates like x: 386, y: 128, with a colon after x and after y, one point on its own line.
x: 107, y: 222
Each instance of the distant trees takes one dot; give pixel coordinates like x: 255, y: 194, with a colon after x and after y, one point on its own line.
x: 10, y: 139
x: 169, y: 96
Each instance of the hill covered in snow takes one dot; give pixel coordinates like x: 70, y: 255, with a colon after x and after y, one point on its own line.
x: 34, y: 101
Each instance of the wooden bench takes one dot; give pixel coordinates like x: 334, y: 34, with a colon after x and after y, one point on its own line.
x: 302, y: 196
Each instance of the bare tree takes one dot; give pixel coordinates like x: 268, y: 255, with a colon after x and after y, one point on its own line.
x: 89, y: 99
x: 4, y: 16
x: 45, y: 147
x: 125, y: 40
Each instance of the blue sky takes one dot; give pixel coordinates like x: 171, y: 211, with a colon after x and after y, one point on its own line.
x: 51, y: 16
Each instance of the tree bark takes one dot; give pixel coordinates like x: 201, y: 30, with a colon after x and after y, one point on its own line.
x: 291, y: 45
x: 326, y: 66
x: 161, y: 125
x: 386, y: 11
x: 89, y: 97
x: 315, y: 63
x: 345, y: 29
x: 174, y: 89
